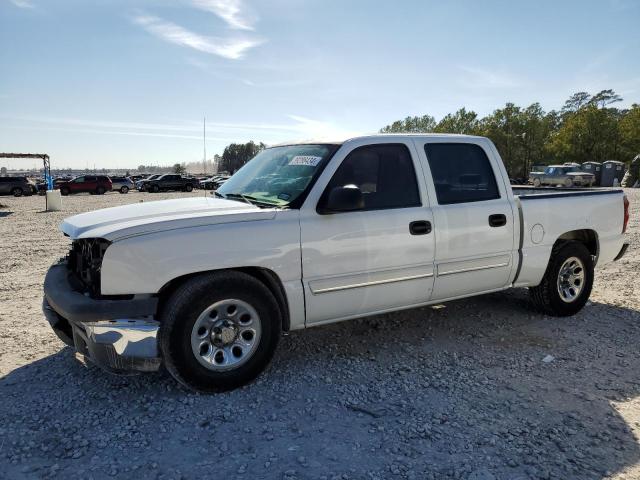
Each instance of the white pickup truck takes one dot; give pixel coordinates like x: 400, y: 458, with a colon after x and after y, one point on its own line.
x: 314, y: 233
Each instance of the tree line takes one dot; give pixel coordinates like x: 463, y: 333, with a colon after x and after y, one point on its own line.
x: 587, y: 127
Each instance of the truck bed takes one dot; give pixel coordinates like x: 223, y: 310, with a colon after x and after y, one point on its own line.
x: 532, y: 193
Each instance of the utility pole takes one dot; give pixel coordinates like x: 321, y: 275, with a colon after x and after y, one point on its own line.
x: 204, y: 143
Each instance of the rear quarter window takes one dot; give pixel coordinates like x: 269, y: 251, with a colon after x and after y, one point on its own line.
x: 461, y: 173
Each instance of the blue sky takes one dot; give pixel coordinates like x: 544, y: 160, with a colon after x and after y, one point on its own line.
x: 118, y: 83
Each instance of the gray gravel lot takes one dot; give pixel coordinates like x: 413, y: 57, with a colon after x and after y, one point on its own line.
x: 459, y: 391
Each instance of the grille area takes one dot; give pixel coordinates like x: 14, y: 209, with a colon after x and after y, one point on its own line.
x: 85, y: 262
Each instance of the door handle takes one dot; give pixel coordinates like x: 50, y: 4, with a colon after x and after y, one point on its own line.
x: 497, y: 220
x: 420, y: 227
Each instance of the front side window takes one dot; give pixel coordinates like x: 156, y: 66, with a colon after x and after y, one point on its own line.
x: 79, y: 180
x: 461, y: 173
x: 278, y: 176
x: 384, y: 174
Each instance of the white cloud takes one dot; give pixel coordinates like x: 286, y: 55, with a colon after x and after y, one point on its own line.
x: 22, y: 3
x: 480, y: 78
x: 233, y: 12
x: 232, y: 48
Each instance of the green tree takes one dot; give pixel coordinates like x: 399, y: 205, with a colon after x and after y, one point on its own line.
x: 179, y: 168
x: 630, y: 133
x: 237, y: 154
x: 462, y: 121
x: 424, y: 124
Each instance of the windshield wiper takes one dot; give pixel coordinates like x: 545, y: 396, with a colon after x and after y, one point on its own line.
x: 250, y: 200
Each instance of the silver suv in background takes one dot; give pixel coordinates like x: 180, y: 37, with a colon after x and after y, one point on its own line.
x: 122, y: 184
x: 16, y: 186
x: 563, y: 175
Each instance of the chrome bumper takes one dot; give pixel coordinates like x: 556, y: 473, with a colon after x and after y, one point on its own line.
x: 99, y: 330
x: 118, y: 346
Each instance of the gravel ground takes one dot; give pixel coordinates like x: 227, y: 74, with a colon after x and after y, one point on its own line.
x: 459, y: 391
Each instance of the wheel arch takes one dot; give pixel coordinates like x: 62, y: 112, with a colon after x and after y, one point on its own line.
x: 267, y: 277
x: 587, y: 236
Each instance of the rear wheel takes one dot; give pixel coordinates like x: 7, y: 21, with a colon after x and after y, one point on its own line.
x: 155, y: 188
x: 536, y: 182
x: 219, y: 331
x: 567, y: 282
x: 124, y: 189
x: 568, y: 183
x: 64, y: 191
x: 100, y: 190
x: 17, y: 192
x: 188, y: 187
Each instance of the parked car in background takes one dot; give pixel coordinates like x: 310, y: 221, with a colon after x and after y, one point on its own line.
x: 563, y: 175
x: 140, y: 184
x: 122, y: 184
x: 95, y: 184
x: 214, y: 182
x: 311, y: 234
x: 170, y: 181
x: 16, y: 186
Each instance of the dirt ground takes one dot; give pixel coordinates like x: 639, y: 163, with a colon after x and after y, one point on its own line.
x: 459, y: 391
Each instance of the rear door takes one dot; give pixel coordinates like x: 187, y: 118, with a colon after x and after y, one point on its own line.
x: 379, y: 257
x: 474, y: 220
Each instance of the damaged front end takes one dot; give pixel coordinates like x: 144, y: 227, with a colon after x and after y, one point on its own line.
x: 117, y: 333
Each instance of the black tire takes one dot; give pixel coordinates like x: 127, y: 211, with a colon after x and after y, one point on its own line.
x: 124, y: 189
x: 183, y: 308
x: 17, y: 192
x: 546, y: 296
x: 100, y: 191
x: 64, y: 191
x: 154, y: 189
x: 188, y: 187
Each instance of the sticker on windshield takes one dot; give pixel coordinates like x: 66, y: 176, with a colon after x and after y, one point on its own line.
x: 305, y: 160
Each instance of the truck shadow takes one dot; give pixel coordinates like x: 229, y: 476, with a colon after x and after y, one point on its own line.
x: 484, y: 386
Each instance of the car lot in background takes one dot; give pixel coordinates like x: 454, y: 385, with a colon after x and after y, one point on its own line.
x: 98, y: 184
x: 170, y: 182
x: 214, y: 182
x: 16, y: 186
x: 122, y: 184
x: 563, y: 175
x: 140, y: 184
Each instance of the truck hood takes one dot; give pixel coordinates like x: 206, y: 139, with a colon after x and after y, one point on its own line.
x: 150, y: 217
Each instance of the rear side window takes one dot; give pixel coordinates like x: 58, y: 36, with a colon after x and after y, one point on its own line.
x: 384, y: 173
x: 461, y: 173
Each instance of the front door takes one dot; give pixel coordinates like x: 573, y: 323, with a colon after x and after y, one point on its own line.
x: 378, y: 257
x: 474, y: 221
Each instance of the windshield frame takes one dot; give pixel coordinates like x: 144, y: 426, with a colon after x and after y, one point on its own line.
x: 300, y: 199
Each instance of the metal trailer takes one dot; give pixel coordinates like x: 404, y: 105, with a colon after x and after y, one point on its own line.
x: 611, y: 170
x: 595, y: 168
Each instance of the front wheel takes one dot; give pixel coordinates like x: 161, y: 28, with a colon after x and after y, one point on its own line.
x: 124, y: 189
x: 64, y: 191
x: 568, y: 183
x: 536, y: 182
x: 219, y: 331
x: 17, y: 192
x: 155, y: 189
x: 188, y: 188
x: 567, y: 282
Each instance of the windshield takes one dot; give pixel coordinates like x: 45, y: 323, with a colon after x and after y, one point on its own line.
x: 278, y: 175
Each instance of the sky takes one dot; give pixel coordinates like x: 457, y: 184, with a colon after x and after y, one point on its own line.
x: 119, y: 83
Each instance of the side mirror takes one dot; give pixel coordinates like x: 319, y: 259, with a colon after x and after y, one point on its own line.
x: 343, y: 199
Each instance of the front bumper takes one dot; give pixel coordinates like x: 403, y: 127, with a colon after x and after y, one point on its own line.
x: 119, y: 336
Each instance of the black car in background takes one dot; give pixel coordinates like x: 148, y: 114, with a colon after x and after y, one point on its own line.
x: 170, y: 181
x: 16, y: 186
